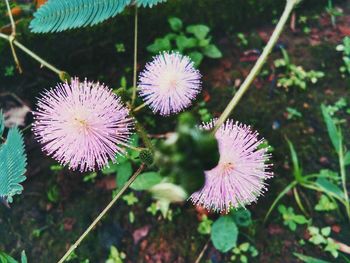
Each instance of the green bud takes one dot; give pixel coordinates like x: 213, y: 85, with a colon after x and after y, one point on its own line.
x: 146, y: 156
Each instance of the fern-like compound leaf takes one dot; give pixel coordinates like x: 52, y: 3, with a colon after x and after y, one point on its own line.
x: 2, y: 123
x: 59, y: 15
x: 149, y: 3
x: 13, y: 161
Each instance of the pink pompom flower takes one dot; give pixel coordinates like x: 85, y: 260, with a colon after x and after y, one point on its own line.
x: 169, y: 83
x: 82, y: 124
x: 239, y: 178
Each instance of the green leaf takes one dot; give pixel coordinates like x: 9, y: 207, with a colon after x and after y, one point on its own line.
x: 146, y: 180
x: 4, y: 258
x: 297, y: 171
x: 24, y: 257
x: 199, y: 31
x: 183, y: 42
x: 347, y: 159
x: 326, y: 231
x: 2, y: 123
x: 300, y: 219
x: 330, y: 188
x: 13, y: 161
x: 196, y: 57
x: 212, y: 51
x: 224, y: 234
x: 308, y: 259
x: 124, y: 171
x: 168, y: 192
x: 175, y: 23
x: 149, y: 3
x: 242, y: 217
x: 331, y: 128
x: 160, y: 44
x: 60, y: 15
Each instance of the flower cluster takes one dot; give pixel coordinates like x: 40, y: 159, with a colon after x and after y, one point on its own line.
x: 84, y: 125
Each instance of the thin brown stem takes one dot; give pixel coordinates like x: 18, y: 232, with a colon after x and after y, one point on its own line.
x: 102, y: 214
x: 12, y: 38
x: 135, y: 57
x: 259, y: 64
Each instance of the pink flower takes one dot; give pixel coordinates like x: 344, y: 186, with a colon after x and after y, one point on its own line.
x: 81, y: 124
x: 239, y: 178
x: 169, y: 83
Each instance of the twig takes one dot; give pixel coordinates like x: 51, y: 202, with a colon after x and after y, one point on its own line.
x: 12, y: 38
x: 259, y: 64
x: 202, y: 252
x: 135, y: 57
x: 100, y: 216
x: 44, y: 63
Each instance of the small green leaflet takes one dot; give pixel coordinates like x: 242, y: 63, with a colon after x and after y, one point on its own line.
x: 13, y: 161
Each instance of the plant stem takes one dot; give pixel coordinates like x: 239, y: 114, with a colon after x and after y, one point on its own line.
x: 343, y: 175
x: 139, y: 107
x: 100, y: 216
x: 33, y: 55
x: 144, y: 136
x: 259, y: 64
x: 135, y: 58
x: 12, y: 38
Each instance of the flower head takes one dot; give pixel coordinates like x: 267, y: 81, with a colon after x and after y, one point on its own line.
x: 239, y: 177
x: 169, y: 83
x: 81, y: 124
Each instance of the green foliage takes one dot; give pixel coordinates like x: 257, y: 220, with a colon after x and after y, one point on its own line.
x: 325, y: 204
x: 333, y: 12
x: 60, y: 15
x: 320, y: 237
x: 293, y: 113
x: 186, y: 154
x: 204, y: 226
x: 115, y: 256
x: 130, y: 199
x: 13, y: 165
x: 291, y: 219
x: 242, y: 217
x: 224, y: 233
x: 194, y: 41
x: 295, y: 76
x: 242, y: 252
x: 146, y: 181
x: 53, y: 194
x: 332, y: 129
x: 4, y: 258
x: 308, y: 259
x: 345, y: 49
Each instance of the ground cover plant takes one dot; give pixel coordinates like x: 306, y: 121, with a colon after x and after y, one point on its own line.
x: 174, y: 131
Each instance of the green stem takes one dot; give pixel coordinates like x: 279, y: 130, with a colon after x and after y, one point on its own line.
x: 60, y: 73
x: 100, y: 216
x: 144, y: 136
x: 139, y: 107
x: 135, y: 57
x: 259, y: 64
x: 343, y: 175
x: 12, y: 37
